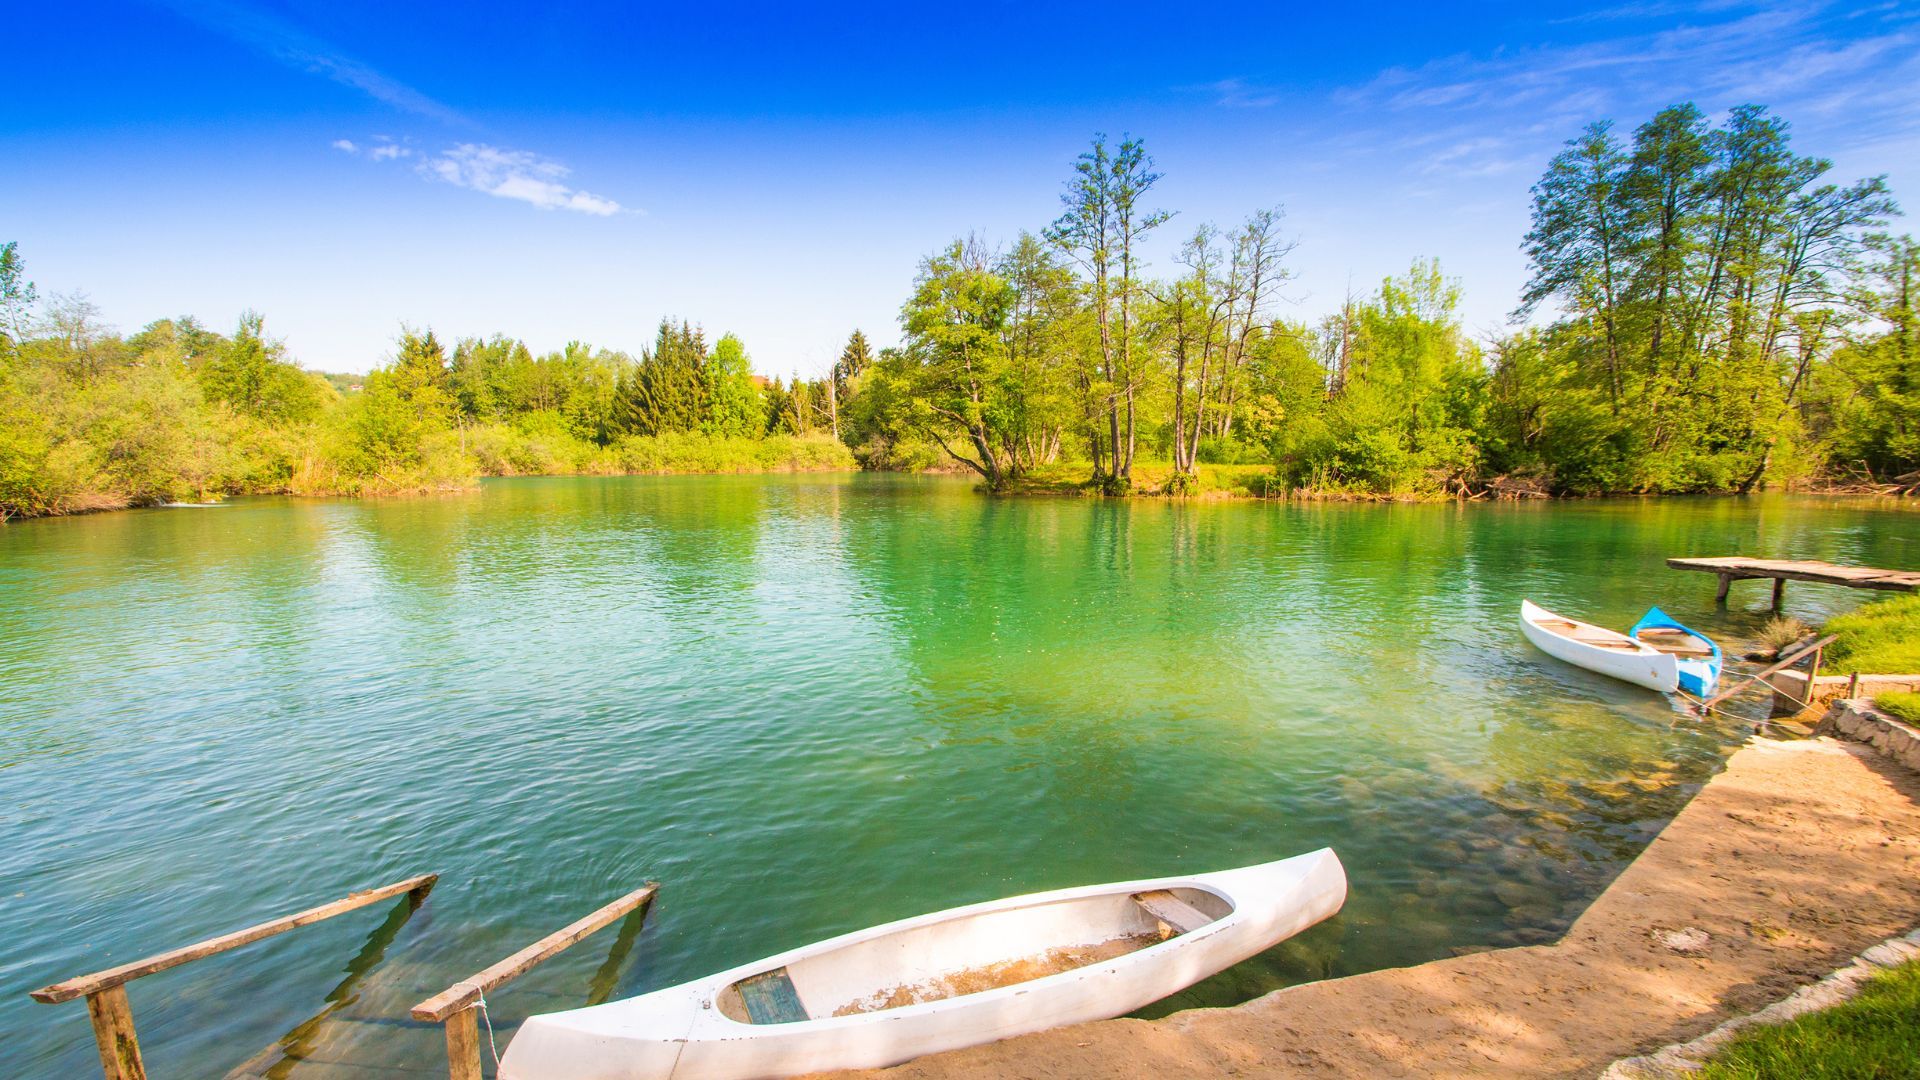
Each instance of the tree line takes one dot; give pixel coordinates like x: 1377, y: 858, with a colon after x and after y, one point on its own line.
x: 91, y: 419
x: 1706, y: 311
x: 1710, y: 313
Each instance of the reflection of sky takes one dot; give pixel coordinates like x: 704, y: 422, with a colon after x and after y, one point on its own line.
x: 576, y: 171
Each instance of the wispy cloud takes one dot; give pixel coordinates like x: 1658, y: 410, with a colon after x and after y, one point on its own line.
x: 1241, y: 94
x: 1768, y: 53
x: 294, y: 47
x: 508, y: 174
x: 1843, y: 77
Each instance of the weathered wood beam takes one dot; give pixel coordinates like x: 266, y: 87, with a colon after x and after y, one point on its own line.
x: 454, y: 1005
x: 113, y: 1034
x: 1823, y: 573
x: 463, y: 1046
x: 87, y: 985
x: 464, y: 994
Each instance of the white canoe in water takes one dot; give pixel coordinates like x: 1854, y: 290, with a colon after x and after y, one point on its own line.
x: 954, y: 978
x: 1597, y: 648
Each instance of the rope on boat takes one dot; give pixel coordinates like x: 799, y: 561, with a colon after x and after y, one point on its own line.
x: 488, y: 1017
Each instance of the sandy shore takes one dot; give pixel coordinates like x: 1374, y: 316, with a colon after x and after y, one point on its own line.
x: 1795, y: 858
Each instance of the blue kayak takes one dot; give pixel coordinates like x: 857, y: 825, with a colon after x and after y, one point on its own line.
x: 1698, y: 674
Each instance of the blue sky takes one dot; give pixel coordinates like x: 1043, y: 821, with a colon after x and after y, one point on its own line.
x: 579, y: 169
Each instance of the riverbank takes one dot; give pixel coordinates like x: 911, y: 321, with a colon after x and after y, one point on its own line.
x: 1260, y: 481
x: 1790, y: 861
x: 456, y: 462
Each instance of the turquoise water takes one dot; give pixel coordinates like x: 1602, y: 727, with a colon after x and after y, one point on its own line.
x: 805, y: 705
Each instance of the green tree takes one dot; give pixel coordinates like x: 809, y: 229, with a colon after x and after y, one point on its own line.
x: 17, y: 295
x: 1102, y: 227
x: 734, y: 405
x: 249, y: 372
x: 957, y: 359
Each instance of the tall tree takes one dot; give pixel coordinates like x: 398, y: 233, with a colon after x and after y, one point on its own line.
x: 17, y: 294
x: 1102, y: 226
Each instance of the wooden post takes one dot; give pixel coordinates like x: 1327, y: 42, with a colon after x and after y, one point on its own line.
x: 113, y: 1032
x: 1853, y: 686
x: 463, y: 1046
x: 1726, y: 582
x: 1779, y: 594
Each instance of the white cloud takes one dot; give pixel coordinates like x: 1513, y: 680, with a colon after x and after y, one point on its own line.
x: 382, y: 148
x: 515, y: 174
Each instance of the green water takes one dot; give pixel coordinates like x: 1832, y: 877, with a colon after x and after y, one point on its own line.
x: 805, y: 705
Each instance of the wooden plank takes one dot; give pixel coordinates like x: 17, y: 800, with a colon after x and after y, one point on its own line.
x: 1825, y: 573
x: 102, y: 980
x: 463, y: 994
x: 113, y: 1034
x: 1172, y: 910
x: 771, y: 999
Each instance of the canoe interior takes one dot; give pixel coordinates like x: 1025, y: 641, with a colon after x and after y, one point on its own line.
x: 967, y: 955
x: 1596, y: 636
x: 1675, y: 642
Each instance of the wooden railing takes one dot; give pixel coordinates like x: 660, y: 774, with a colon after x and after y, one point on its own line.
x: 1816, y: 649
x: 106, y: 991
x: 454, y: 1006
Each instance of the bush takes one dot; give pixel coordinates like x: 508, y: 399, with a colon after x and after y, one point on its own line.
x: 686, y: 452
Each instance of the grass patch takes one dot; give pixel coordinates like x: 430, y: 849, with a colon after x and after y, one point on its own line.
x: 1879, y: 638
x: 1900, y: 704
x: 1780, y: 632
x: 1874, y: 1036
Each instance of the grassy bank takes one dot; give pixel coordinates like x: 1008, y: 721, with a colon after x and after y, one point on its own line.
x: 79, y: 477
x: 1235, y: 481
x: 1879, y: 638
x: 1901, y: 705
x: 1876, y: 1034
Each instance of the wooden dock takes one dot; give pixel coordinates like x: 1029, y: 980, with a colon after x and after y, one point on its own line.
x: 1782, y: 571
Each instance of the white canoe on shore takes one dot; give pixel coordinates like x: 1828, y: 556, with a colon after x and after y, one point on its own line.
x: 1599, y: 649
x: 955, y: 978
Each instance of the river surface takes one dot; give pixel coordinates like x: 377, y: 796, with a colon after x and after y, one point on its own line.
x: 805, y: 705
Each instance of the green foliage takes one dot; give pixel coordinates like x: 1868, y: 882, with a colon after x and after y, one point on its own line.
x: 1900, y: 704
x: 693, y: 452
x: 1870, y: 1037
x: 1701, y: 278
x: 17, y: 295
x: 1877, y: 638
x: 955, y: 370
x: 735, y: 408
x: 667, y: 390
x: 248, y: 371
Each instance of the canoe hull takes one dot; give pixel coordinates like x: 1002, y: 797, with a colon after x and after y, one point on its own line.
x: 1642, y: 666
x: 679, y: 1032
